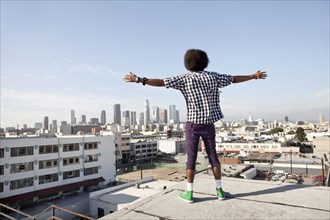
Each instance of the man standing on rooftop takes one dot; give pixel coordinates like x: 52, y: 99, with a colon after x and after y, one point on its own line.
x: 200, y: 89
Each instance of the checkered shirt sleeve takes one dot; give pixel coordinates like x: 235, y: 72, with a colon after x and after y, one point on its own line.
x: 201, y: 92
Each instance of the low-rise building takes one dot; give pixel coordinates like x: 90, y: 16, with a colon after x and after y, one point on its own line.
x: 104, y: 202
x: 37, y: 169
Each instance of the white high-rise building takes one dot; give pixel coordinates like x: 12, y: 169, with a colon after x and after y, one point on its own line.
x: 73, y: 118
x: 126, y: 119
x: 146, y: 113
x: 141, y: 119
x: 163, y: 116
x: 155, y: 114
x: 250, y: 118
x: 172, y: 114
x: 321, y: 119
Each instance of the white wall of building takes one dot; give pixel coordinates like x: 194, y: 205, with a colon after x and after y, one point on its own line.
x: 105, y: 163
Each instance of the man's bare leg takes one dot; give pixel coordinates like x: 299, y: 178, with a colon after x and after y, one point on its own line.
x: 190, y: 175
x: 217, y: 172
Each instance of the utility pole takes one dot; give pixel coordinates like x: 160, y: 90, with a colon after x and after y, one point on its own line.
x: 141, y: 162
x: 291, y: 160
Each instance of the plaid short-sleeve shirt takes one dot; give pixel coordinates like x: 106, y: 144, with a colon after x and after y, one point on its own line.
x: 201, y: 91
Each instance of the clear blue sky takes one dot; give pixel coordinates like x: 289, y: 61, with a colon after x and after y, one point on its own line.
x: 59, y: 55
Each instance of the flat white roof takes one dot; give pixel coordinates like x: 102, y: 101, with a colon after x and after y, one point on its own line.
x: 131, y: 194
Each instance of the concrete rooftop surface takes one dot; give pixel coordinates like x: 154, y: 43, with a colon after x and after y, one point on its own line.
x: 245, y: 199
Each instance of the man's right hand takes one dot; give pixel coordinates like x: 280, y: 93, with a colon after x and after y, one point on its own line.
x: 131, y: 77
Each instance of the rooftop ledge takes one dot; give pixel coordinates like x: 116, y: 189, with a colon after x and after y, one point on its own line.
x: 245, y: 199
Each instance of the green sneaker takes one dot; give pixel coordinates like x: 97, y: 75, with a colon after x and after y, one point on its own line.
x: 221, y: 194
x: 187, y: 196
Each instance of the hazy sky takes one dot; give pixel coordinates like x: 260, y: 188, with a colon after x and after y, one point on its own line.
x: 63, y: 55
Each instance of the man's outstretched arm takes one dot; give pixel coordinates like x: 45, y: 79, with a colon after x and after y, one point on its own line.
x: 151, y: 82
x: 257, y: 75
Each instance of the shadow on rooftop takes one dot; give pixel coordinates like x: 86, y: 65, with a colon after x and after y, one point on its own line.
x: 277, y: 189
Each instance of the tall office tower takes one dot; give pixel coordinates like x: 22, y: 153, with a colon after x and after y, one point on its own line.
x: 146, y: 113
x: 103, y: 118
x: 83, y: 120
x: 38, y: 125
x: 155, y: 114
x: 286, y: 118
x: 125, y: 119
x: 73, y: 118
x: 94, y: 121
x: 133, y: 118
x: 141, y: 119
x: 163, y: 116
x: 177, y: 116
x: 46, y: 123
x: 321, y: 118
x: 54, y: 123
x: 250, y: 119
x: 116, y: 114
x: 172, y: 114
x: 25, y: 126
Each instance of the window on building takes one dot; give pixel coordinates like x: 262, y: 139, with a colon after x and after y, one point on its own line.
x: 21, y: 183
x: 1, y: 186
x: 71, y: 174
x: 48, y: 149
x: 1, y: 170
x: 21, y: 167
x: 90, y: 146
x: 2, y: 153
x: 44, y: 164
x: 90, y: 158
x: 21, y: 151
x: 70, y: 147
x: 48, y: 178
x: 70, y: 161
x: 90, y: 171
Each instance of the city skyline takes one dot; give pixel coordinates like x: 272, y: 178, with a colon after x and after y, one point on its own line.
x: 59, y: 55
x: 86, y: 119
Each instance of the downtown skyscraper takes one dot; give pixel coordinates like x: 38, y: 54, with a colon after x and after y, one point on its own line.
x: 46, y: 123
x: 72, y: 117
x: 146, y: 113
x: 116, y: 114
x: 103, y: 117
x: 172, y: 114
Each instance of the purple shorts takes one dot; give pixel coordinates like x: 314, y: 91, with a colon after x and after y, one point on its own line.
x: 193, y: 134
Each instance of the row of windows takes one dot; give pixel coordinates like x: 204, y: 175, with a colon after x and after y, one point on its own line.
x: 21, y: 183
x: 71, y: 174
x: 144, y: 146
x: 48, y: 178
x: 44, y: 164
x: 21, y: 151
x: 91, y: 158
x: 248, y: 146
x: 21, y: 167
x: 47, y: 149
x: 70, y: 147
x: 70, y: 161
